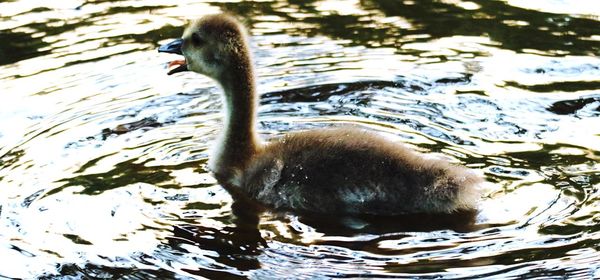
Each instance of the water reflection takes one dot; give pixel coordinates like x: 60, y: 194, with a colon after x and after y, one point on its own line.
x: 394, y: 23
x: 102, y: 159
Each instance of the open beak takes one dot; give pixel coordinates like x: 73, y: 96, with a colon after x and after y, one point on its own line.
x: 174, y: 47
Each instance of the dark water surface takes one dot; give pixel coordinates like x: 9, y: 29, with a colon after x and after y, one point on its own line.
x: 103, y: 156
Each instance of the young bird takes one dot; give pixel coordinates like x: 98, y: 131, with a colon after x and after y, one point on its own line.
x: 341, y: 170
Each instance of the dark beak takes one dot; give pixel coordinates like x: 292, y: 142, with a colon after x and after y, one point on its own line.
x: 172, y: 47
x: 177, y: 65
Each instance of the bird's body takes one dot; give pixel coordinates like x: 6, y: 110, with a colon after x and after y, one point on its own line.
x: 353, y: 171
x: 339, y: 170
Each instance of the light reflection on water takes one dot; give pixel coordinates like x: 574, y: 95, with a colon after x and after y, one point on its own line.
x: 102, y: 156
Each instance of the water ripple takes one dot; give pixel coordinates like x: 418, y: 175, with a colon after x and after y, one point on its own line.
x: 103, y: 157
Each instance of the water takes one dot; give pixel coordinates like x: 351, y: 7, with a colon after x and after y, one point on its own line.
x: 103, y: 156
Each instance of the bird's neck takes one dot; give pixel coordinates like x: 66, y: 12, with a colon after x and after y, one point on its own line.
x: 239, y: 141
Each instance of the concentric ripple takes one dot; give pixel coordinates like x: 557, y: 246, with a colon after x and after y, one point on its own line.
x: 103, y: 156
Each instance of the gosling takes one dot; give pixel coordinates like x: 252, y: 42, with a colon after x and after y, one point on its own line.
x: 329, y: 171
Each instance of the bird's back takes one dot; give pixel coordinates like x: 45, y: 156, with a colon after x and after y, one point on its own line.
x: 353, y: 171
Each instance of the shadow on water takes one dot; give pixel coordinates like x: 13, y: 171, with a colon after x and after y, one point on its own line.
x: 20, y: 45
x: 323, y: 92
x: 566, y: 107
x: 123, y: 174
x: 538, y: 30
x: 94, y: 271
x: 542, y: 31
x: 236, y: 245
x: 523, y: 255
x: 239, y: 245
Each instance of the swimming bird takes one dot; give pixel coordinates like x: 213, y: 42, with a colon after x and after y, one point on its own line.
x: 337, y: 170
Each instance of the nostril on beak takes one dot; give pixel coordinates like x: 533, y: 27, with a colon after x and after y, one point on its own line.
x: 172, y: 47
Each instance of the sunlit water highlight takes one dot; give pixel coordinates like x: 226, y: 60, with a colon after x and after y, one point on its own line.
x: 103, y: 157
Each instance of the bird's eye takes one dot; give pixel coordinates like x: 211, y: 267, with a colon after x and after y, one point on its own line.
x: 196, y: 40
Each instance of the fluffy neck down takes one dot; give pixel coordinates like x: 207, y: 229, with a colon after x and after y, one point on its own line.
x: 238, y: 142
